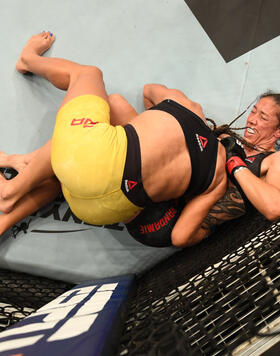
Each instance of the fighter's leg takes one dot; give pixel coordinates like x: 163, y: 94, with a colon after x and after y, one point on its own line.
x: 77, y: 80
x: 121, y: 112
x: 83, y: 81
x: 53, y: 69
x: 61, y: 73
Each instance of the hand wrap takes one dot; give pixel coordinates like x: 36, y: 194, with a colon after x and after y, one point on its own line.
x: 233, y: 164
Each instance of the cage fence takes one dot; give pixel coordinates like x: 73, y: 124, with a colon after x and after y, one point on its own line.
x: 217, y: 298
x: 21, y: 294
x: 220, y: 297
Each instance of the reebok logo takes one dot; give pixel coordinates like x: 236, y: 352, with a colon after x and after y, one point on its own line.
x: 202, y: 141
x: 86, y: 122
x: 129, y: 185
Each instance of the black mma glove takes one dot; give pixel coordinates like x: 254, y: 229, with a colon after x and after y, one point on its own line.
x: 235, y: 156
x: 8, y: 173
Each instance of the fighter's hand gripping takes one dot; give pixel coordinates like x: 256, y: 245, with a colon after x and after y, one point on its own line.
x: 235, y: 156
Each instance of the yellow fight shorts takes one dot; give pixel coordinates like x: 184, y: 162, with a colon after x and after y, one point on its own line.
x: 88, y: 157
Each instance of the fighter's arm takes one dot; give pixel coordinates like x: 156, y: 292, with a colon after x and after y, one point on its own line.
x: 187, y: 227
x: 230, y: 206
x: 263, y: 194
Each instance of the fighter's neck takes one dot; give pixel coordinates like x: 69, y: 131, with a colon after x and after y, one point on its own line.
x: 257, y: 150
x: 260, y: 147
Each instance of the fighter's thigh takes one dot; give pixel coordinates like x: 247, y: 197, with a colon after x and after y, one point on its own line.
x: 89, y: 81
x: 121, y: 112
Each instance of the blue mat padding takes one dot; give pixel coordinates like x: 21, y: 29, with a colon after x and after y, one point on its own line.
x: 86, y: 320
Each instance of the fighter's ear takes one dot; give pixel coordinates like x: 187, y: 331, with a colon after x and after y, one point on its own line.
x: 277, y: 133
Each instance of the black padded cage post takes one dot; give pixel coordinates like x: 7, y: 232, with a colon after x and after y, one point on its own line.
x: 220, y: 297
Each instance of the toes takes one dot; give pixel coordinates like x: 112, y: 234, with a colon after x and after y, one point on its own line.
x: 50, y: 36
x: 40, y: 35
x: 46, y: 35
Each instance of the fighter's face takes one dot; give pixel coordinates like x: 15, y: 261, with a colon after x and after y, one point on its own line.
x: 263, y: 124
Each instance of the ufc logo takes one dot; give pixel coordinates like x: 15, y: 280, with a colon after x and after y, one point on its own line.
x: 86, y: 122
x: 70, y: 315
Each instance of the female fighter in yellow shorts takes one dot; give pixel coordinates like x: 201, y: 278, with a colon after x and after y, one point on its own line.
x: 111, y: 162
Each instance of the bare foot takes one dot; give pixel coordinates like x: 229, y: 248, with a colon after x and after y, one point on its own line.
x: 37, y: 44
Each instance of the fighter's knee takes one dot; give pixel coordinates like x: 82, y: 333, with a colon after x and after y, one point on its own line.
x: 81, y: 71
x: 115, y: 99
x: 90, y: 70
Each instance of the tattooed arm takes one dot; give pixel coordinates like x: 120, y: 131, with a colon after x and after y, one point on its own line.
x: 231, y: 206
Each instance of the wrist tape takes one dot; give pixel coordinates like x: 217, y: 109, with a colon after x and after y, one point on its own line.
x: 233, y: 163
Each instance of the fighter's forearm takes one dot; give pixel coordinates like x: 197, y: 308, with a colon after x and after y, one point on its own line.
x: 187, y: 226
x: 230, y: 206
x: 264, y: 196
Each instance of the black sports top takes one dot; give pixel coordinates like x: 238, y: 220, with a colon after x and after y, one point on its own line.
x: 201, y: 142
x: 254, y: 164
x: 202, y: 145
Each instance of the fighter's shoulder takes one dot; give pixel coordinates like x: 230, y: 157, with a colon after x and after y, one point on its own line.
x: 275, y: 156
x: 272, y: 160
